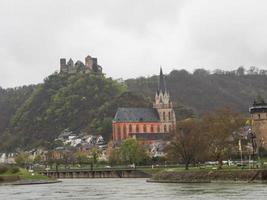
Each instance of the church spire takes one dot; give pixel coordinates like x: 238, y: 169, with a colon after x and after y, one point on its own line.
x: 162, y: 83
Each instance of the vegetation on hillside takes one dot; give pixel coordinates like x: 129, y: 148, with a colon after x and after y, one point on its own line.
x: 79, y: 102
x: 34, y: 115
x: 202, y: 91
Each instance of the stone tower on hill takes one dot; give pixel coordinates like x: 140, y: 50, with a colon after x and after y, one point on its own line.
x: 90, y: 66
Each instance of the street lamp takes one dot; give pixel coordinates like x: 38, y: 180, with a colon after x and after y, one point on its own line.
x: 252, y: 137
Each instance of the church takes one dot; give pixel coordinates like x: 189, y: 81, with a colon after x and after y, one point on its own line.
x: 146, y: 124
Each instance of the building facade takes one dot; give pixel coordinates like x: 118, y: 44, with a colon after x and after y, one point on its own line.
x: 258, y: 112
x: 146, y: 124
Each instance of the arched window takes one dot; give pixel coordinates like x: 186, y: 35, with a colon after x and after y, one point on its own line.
x: 151, y: 129
x: 169, y: 116
x: 124, y: 132
x: 158, y: 129
x: 144, y: 128
x: 259, y: 116
x: 119, y: 132
x: 164, y: 117
x: 170, y: 128
x: 137, y: 128
x: 130, y: 128
x: 165, y: 128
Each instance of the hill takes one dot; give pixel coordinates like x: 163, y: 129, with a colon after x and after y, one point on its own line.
x: 199, y: 93
x: 80, y: 102
x: 34, y: 115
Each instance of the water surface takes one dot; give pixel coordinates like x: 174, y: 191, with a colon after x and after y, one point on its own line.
x: 129, y: 189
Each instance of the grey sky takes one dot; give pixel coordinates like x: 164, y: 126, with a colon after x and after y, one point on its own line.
x: 130, y: 38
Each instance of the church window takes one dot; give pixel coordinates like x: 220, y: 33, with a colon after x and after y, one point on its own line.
x: 151, y: 129
x: 137, y: 128
x: 144, y: 128
x: 119, y: 132
x: 130, y: 128
x: 164, y: 117
x: 165, y: 128
x: 169, y: 116
x: 124, y: 132
x: 170, y: 128
x: 118, y: 128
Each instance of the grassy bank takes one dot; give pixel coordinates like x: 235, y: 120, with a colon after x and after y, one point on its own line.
x: 14, y: 173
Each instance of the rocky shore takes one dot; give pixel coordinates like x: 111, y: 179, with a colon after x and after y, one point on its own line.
x: 210, y: 176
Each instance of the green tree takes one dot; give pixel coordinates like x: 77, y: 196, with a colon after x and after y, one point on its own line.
x: 23, y: 159
x: 81, y: 157
x: 132, y: 152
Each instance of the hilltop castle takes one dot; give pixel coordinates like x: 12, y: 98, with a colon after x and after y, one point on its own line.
x: 79, y: 67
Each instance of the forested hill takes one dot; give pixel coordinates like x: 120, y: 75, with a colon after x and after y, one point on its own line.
x: 78, y: 102
x: 34, y: 115
x: 201, y: 91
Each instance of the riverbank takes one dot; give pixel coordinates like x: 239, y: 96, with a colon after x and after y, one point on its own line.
x: 208, y: 176
x: 18, y: 176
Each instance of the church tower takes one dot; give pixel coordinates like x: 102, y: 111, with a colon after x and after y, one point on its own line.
x: 164, y: 106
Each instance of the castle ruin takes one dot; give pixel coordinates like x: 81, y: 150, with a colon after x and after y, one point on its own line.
x: 89, y: 66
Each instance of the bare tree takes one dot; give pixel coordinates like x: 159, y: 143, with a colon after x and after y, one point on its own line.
x: 218, y: 128
x: 188, y: 145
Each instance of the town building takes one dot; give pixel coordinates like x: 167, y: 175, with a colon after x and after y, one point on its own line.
x: 258, y: 112
x: 146, y: 124
x: 90, y: 65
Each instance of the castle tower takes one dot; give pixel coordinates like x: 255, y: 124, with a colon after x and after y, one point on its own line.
x: 71, y: 67
x: 164, y: 106
x: 258, y: 112
x: 63, y: 65
x: 91, y: 65
x: 88, y: 64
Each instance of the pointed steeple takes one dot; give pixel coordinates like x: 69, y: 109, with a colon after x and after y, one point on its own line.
x: 162, y: 83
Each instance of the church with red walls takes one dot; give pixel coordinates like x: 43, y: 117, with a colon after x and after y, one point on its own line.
x: 148, y: 125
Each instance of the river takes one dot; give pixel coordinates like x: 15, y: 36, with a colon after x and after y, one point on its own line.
x: 129, y: 189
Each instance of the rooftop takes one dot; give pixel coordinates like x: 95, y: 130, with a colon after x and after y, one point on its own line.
x: 136, y: 115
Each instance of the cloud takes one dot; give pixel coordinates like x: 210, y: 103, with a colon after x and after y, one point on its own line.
x: 129, y: 38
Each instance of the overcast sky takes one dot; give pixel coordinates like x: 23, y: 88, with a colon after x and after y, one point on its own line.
x: 130, y: 38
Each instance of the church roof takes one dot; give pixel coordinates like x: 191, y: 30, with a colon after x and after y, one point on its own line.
x: 136, y: 115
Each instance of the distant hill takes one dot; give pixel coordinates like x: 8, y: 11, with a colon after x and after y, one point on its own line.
x: 199, y: 93
x: 34, y: 115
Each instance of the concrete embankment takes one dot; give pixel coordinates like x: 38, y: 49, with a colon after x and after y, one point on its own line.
x: 211, y: 176
x: 107, y: 173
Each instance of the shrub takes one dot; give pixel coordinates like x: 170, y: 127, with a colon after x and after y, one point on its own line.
x: 14, y: 170
x: 3, y: 169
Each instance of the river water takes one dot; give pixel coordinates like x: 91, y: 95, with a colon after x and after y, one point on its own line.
x: 129, y: 189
